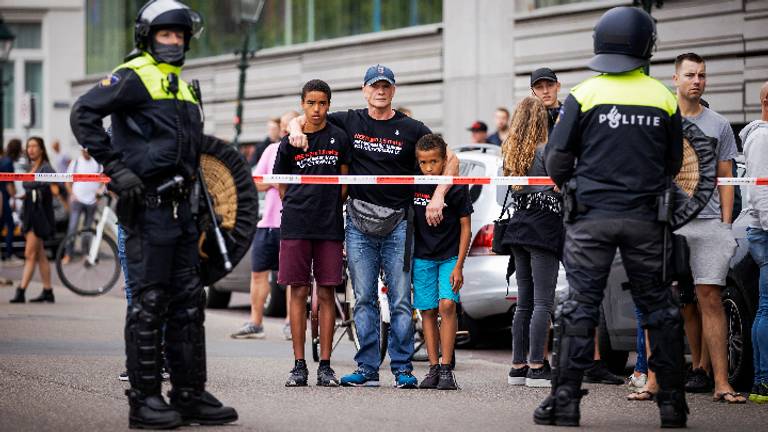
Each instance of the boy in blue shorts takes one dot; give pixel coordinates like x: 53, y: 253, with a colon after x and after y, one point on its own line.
x: 438, y: 264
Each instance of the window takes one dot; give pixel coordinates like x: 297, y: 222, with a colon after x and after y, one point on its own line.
x: 109, y: 24
x: 529, y: 5
x: 33, y: 83
x: 28, y: 35
x: 8, y: 93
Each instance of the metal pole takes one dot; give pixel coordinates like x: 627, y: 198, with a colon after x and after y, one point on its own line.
x: 243, y: 65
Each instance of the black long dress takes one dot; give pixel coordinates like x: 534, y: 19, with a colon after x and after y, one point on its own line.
x: 37, y: 213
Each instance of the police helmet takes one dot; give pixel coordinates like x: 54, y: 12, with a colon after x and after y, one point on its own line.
x: 624, y: 40
x: 157, y: 14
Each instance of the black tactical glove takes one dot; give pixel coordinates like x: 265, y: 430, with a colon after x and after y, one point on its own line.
x: 129, y: 189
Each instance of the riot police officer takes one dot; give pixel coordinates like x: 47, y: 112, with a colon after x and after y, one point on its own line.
x: 615, y: 150
x: 152, y: 161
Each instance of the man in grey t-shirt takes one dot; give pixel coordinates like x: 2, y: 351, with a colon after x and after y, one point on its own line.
x: 709, y: 239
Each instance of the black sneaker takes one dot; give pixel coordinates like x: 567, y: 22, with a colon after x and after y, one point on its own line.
x: 432, y: 378
x: 299, y: 375
x: 517, y: 375
x: 698, y: 382
x: 599, y: 374
x: 447, y: 379
x: 539, y: 377
x: 326, y: 377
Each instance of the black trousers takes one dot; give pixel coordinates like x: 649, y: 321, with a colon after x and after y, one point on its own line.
x: 590, y: 248
x: 163, y: 258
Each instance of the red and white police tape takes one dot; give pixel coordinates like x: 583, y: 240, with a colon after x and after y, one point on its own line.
x: 356, y: 179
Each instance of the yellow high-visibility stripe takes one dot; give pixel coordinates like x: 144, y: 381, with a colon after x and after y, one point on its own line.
x: 154, y: 76
x: 632, y: 88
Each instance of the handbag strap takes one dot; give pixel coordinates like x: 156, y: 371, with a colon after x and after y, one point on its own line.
x: 504, y: 207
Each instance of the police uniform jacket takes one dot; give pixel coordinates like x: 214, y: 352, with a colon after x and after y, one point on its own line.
x: 624, y: 132
x: 156, y: 133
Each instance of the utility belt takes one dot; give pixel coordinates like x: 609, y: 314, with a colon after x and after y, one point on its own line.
x: 663, y: 206
x: 170, y: 191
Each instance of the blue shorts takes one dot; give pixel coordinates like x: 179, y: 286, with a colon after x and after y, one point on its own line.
x: 432, y: 282
x: 265, y: 251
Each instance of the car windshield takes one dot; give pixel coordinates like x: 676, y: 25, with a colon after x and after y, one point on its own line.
x: 469, y: 168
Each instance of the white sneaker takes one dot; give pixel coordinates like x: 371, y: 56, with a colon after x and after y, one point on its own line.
x: 287, y: 331
x: 638, y: 381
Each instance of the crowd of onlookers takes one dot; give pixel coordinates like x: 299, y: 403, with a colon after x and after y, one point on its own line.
x: 28, y: 211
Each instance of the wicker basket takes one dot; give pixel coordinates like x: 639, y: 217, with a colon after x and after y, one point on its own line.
x: 688, y: 177
x: 221, y: 187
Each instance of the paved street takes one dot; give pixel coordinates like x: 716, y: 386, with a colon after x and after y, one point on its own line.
x: 59, y: 365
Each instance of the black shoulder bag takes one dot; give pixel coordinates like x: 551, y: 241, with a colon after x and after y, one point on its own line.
x: 500, y: 228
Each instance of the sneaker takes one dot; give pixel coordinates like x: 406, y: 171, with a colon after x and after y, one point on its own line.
x: 299, y: 375
x: 249, y: 330
x: 406, y: 380
x: 517, y: 375
x: 164, y: 374
x: 432, y: 378
x: 699, y: 382
x: 539, y: 377
x: 447, y: 379
x: 326, y: 377
x: 123, y: 376
x: 360, y: 378
x: 287, y: 331
x: 637, y: 381
x: 759, y: 393
x: 599, y: 374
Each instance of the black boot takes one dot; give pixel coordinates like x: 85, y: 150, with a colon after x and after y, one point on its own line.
x: 672, y: 408
x: 45, y: 296
x: 561, y: 408
x: 200, y: 407
x: 19, y: 297
x: 151, y: 412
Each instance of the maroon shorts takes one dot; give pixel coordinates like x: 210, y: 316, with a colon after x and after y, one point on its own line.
x: 301, y: 259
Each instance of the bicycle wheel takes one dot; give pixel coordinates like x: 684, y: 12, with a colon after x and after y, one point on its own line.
x: 78, y: 274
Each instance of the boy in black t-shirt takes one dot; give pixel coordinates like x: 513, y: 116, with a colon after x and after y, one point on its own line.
x: 312, y: 228
x: 438, y: 262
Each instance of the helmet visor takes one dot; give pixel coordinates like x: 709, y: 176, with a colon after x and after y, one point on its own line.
x: 197, y: 23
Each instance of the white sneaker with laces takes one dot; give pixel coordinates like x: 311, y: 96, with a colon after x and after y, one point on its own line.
x: 638, y: 381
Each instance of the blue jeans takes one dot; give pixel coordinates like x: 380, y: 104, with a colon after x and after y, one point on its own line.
x: 124, y: 263
x: 641, y: 365
x: 758, y: 248
x: 366, y: 255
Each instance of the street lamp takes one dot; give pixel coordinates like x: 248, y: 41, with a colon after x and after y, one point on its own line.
x: 250, y: 13
x: 6, y: 44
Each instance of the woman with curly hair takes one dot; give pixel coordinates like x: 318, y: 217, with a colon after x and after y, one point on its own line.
x: 535, y: 236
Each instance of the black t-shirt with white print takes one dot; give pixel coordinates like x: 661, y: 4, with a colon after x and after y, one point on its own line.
x: 440, y: 242
x: 313, y: 211
x: 381, y: 147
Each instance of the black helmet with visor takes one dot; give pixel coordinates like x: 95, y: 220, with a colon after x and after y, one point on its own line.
x: 165, y: 14
x: 624, y: 40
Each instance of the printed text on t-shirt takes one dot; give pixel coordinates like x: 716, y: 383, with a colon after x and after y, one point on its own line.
x: 316, y: 157
x: 379, y: 145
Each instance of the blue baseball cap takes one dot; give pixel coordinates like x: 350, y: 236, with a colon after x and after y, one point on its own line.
x: 378, y: 73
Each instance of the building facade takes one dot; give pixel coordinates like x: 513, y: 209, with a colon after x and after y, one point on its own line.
x: 456, y: 61
x: 46, y: 58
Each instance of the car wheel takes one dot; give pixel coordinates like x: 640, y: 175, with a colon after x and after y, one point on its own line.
x: 218, y: 299
x: 614, y: 360
x: 738, y: 318
x: 274, y: 306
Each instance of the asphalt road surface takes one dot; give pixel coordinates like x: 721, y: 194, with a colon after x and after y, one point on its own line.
x: 59, y: 365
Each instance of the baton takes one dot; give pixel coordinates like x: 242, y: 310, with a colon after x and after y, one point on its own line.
x: 219, y: 237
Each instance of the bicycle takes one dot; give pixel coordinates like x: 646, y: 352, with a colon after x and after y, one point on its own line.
x: 93, y: 268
